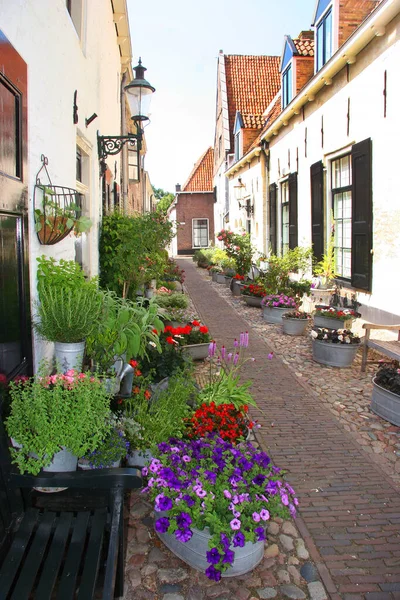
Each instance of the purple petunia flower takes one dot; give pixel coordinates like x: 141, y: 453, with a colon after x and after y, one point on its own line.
x: 183, y: 535
x: 238, y: 540
x: 259, y: 479
x: 163, y: 503
x: 225, y: 543
x: 212, y: 573
x: 164, y: 447
x: 235, y: 524
x: 285, y: 499
x: 186, y: 458
x: 256, y: 517
x: 189, y: 500
x: 228, y: 556
x: 260, y: 533
x: 211, y: 476
x: 227, y: 494
x: 201, y: 493
x: 162, y: 524
x: 183, y: 520
x: 213, y: 556
x: 264, y: 514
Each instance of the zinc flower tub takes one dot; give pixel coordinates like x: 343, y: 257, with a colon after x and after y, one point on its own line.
x: 334, y: 355
x: 294, y: 326
x: 196, y: 351
x: 252, y: 300
x: 273, y: 315
x: 332, y: 323
x: 194, y: 552
x: 385, y: 403
x: 212, y: 501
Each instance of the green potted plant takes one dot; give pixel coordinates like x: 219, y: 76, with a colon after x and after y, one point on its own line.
x: 148, y: 421
x: 109, y: 453
x: 124, y: 331
x: 56, y: 417
x: 68, y: 310
x: 325, y: 268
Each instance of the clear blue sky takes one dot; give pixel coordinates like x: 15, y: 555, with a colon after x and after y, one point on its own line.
x: 179, y: 41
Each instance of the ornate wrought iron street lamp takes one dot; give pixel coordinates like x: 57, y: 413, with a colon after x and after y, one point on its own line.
x: 249, y: 208
x: 138, y: 93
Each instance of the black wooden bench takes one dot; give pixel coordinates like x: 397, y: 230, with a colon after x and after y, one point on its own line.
x: 58, y: 553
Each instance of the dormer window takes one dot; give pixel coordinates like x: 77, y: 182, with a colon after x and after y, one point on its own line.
x: 237, y: 133
x: 287, y: 87
x: 324, y: 39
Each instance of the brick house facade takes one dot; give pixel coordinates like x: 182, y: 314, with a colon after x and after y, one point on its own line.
x: 193, y: 208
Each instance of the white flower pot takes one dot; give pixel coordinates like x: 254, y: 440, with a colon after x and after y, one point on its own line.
x: 334, y: 355
x: 272, y: 314
x: 194, y: 551
x: 69, y: 355
x: 386, y: 404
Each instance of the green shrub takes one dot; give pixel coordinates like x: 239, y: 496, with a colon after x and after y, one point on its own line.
x: 172, y: 300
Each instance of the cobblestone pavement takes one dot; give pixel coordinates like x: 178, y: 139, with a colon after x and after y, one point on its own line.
x: 340, y: 458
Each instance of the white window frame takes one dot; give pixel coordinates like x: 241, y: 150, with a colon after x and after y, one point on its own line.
x: 84, y: 242
x: 333, y: 191
x: 287, y: 75
x: 283, y: 203
x: 208, y: 232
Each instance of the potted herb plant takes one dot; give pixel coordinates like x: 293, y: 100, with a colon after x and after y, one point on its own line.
x: 109, y: 453
x: 213, y: 501
x: 68, y: 311
x: 385, y: 400
x: 295, y: 322
x: 55, y: 419
x: 276, y: 305
x: 325, y: 268
x: 334, y: 347
x: 149, y: 420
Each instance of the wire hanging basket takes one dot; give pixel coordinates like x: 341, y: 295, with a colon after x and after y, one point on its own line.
x: 57, y: 209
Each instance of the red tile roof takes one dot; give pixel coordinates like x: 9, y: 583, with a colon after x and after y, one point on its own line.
x: 251, y: 84
x: 304, y: 46
x: 201, y: 177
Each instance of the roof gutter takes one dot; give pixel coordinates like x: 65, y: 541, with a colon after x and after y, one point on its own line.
x: 373, y: 26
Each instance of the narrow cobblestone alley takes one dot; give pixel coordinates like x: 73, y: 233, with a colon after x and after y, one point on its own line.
x: 349, y: 508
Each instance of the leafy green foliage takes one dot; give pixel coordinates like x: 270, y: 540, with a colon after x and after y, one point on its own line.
x: 70, y: 306
x: 227, y: 389
x: 49, y: 413
x: 171, y: 300
x: 132, y: 251
x: 162, y: 417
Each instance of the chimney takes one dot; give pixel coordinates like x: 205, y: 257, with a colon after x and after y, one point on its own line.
x: 306, y: 35
x: 177, y: 187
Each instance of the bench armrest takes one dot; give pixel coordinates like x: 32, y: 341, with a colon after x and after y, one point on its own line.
x: 388, y: 327
x: 127, y: 478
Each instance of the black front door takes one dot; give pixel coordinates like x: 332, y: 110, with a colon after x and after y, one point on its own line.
x: 15, y: 338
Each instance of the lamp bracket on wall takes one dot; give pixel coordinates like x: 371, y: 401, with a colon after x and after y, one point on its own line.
x: 112, y: 144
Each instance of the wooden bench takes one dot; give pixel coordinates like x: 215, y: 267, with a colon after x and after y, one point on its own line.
x: 58, y: 553
x: 390, y: 349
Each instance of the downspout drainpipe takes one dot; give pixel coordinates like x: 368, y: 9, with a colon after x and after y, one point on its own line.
x: 265, y: 174
x: 124, y: 155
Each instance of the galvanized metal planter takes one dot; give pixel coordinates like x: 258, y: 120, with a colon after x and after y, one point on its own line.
x: 220, y: 278
x: 236, y: 287
x: 386, y: 404
x: 196, y: 351
x: 252, y: 300
x: 272, y: 314
x: 294, y: 326
x: 329, y: 323
x: 228, y: 279
x: 334, y: 355
x: 194, y: 551
x: 69, y: 355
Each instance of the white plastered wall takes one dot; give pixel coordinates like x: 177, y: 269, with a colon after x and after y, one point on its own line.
x: 59, y: 62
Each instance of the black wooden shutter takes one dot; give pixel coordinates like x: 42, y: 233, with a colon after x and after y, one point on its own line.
x: 272, y: 217
x: 293, y: 220
x: 361, y: 237
x: 317, y: 209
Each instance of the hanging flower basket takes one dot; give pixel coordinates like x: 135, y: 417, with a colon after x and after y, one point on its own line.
x: 57, y: 210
